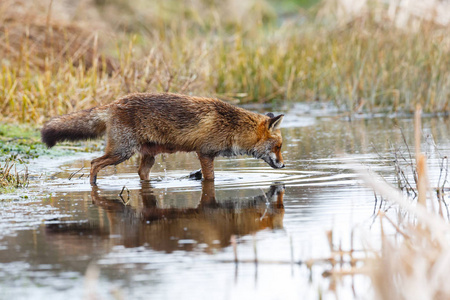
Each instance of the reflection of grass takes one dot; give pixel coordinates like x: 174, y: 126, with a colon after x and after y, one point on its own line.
x: 239, y: 51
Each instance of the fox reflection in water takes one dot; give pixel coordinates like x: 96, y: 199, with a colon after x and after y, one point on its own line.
x: 211, y: 223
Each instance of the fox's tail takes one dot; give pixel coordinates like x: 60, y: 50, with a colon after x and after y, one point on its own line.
x: 81, y: 125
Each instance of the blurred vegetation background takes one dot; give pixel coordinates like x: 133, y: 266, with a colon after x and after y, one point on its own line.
x: 58, y: 56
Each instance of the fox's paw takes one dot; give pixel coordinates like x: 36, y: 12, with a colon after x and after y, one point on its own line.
x: 196, y: 175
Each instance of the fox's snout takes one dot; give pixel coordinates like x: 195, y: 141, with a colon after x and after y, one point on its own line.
x: 273, y: 161
x: 278, y: 166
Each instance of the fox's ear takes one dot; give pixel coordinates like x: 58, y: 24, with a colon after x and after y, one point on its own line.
x: 274, y: 122
x: 270, y: 115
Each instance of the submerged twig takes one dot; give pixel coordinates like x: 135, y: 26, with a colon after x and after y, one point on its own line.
x: 128, y: 196
x: 74, y: 173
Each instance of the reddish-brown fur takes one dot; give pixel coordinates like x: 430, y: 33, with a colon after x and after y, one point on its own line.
x: 166, y: 123
x: 148, y: 220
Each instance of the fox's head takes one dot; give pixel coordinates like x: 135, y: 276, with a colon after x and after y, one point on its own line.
x: 268, y: 147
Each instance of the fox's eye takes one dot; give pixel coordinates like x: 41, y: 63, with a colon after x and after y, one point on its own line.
x: 277, y: 148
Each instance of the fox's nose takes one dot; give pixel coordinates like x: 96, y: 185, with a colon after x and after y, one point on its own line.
x: 282, y: 166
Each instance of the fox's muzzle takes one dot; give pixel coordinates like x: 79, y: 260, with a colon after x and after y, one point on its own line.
x: 274, y: 163
x: 278, y: 165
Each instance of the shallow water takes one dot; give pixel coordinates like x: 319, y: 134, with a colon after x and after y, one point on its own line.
x: 172, y: 237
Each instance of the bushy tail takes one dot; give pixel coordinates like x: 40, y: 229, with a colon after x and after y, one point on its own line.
x: 82, y: 125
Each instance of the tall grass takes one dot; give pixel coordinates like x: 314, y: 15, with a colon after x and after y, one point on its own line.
x: 241, y: 52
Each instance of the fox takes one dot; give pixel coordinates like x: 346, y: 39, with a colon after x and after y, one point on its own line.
x: 156, y: 123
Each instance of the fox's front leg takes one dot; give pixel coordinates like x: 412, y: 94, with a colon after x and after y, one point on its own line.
x: 147, y: 162
x: 207, y: 164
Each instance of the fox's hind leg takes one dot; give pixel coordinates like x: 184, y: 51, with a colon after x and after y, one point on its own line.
x: 106, y: 160
x: 120, y: 145
x: 147, y: 162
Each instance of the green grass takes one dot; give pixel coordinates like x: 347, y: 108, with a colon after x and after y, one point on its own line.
x: 21, y: 143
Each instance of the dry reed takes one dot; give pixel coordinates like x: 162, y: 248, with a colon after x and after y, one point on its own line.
x: 53, y: 64
x: 415, y: 264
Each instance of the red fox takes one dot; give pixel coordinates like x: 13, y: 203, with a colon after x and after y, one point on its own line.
x: 166, y: 123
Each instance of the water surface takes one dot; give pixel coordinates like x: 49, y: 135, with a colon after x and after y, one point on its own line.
x: 173, y: 237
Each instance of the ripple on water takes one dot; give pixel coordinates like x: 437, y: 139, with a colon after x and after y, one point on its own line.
x: 166, y: 242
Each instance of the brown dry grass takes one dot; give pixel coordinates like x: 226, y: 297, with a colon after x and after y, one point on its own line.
x: 57, y: 58
x: 10, y: 177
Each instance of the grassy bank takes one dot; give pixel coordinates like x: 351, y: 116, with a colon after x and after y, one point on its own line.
x: 20, y: 143
x: 17, y: 145
x: 56, y: 60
